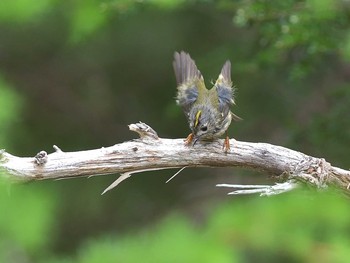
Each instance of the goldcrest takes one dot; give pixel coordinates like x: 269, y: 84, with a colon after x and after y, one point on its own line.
x: 207, y: 111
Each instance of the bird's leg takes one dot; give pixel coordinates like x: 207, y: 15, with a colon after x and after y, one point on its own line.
x: 189, y: 139
x: 226, y: 145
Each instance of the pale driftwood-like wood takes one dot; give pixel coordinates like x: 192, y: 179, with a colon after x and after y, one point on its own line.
x: 152, y: 153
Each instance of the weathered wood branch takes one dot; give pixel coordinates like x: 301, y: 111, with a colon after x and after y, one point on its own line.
x: 152, y: 153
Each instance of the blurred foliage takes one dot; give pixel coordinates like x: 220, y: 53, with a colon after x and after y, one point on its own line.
x: 87, y: 19
x: 288, y: 228
x: 10, y: 109
x: 26, y: 222
x: 75, y: 73
x: 301, y: 33
x: 23, y: 11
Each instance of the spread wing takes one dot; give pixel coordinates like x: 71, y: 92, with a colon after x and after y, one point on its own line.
x: 225, y: 90
x: 189, y: 80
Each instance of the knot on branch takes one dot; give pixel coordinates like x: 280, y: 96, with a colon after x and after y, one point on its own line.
x: 41, y: 158
x: 144, y: 130
x: 314, y: 171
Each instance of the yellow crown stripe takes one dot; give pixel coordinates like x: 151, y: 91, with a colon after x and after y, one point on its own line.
x: 197, y: 118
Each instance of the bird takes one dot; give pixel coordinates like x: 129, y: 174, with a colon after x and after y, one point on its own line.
x: 207, y: 111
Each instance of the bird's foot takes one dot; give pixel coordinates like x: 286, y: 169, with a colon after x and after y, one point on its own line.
x: 189, y: 139
x: 226, y: 145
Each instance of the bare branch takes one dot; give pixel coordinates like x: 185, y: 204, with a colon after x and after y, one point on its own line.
x: 152, y: 153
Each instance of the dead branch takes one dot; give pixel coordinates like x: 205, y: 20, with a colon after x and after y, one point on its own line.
x: 150, y: 152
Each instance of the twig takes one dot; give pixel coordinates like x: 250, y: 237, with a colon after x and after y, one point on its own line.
x: 179, y: 171
x: 263, y: 190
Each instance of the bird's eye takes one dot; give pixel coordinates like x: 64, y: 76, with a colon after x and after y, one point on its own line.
x: 204, y: 128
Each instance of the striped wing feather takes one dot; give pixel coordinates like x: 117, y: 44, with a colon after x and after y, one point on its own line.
x: 189, y: 80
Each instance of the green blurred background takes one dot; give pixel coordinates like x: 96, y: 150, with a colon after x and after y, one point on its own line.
x: 76, y: 73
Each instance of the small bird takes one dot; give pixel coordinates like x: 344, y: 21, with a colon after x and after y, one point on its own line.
x: 207, y: 111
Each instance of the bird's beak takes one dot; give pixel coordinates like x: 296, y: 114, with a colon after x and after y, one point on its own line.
x: 195, y: 139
